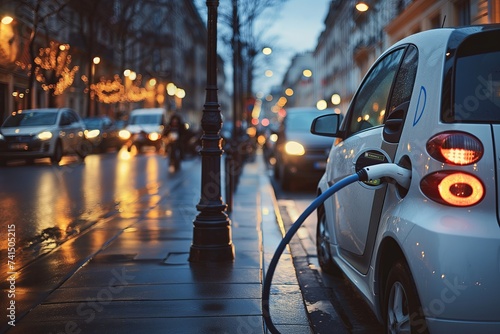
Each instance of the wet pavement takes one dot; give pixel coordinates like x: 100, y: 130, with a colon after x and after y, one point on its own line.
x: 129, y: 273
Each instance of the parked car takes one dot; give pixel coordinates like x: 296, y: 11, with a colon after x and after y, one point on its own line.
x: 42, y: 133
x: 145, y: 128
x: 102, y: 133
x: 299, y: 154
x: 426, y: 258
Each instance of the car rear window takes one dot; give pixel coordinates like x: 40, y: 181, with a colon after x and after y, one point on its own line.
x: 476, y: 93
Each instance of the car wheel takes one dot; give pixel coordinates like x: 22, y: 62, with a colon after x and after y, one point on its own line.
x: 323, y: 247
x: 58, y: 153
x: 403, y: 313
x: 85, y: 148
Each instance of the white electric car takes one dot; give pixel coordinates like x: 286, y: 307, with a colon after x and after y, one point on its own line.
x: 426, y: 258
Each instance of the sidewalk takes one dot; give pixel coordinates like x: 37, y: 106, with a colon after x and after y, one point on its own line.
x: 140, y: 281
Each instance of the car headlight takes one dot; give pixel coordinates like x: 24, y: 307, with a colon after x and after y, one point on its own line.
x: 92, y: 133
x: 45, y: 135
x: 154, y: 136
x: 124, y: 134
x: 294, y: 148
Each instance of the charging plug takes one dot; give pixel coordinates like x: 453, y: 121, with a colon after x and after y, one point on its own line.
x: 386, y: 170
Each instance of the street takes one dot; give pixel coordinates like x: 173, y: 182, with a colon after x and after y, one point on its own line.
x: 49, y: 204
x: 45, y: 207
x: 351, y: 310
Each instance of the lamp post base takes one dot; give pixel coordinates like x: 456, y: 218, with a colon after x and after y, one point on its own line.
x: 211, y: 254
x: 211, y: 240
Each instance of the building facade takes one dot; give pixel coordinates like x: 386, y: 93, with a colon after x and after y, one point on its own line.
x: 126, y: 53
x: 353, y: 40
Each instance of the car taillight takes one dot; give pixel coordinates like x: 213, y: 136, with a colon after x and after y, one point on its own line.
x: 457, y: 148
x: 453, y: 188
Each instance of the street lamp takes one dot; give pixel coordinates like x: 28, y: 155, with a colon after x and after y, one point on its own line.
x: 212, y: 227
x: 267, y: 51
x: 7, y: 19
x: 95, y: 61
x: 362, y: 6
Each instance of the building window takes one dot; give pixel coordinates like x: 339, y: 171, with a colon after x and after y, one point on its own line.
x: 463, y: 11
x: 435, y: 21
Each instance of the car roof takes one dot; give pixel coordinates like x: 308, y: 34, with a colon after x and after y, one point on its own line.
x: 148, y: 111
x: 441, y: 36
x: 48, y: 110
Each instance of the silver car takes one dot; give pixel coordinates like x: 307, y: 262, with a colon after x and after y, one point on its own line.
x: 42, y: 133
x: 426, y: 257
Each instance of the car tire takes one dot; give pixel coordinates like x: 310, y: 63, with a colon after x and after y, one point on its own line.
x: 85, y: 149
x: 323, y: 247
x: 402, y: 310
x: 58, y: 153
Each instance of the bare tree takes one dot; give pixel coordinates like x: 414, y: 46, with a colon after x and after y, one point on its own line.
x: 53, y: 70
x: 38, y: 14
x: 240, y: 37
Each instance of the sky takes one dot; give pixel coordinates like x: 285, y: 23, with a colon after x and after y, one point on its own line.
x: 297, y: 27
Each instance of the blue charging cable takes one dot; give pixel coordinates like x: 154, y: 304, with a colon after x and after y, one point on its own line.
x: 383, y: 171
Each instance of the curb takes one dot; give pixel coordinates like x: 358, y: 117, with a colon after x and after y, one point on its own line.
x: 317, y: 298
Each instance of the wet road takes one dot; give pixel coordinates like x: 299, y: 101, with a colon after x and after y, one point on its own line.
x: 49, y: 204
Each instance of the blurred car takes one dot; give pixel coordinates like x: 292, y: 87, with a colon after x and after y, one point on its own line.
x: 145, y: 128
x: 426, y: 258
x: 42, y: 133
x: 102, y: 133
x: 299, y: 154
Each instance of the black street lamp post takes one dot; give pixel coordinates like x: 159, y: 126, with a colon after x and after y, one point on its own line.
x: 212, y: 227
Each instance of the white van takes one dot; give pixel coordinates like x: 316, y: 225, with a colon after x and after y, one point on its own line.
x: 145, y: 128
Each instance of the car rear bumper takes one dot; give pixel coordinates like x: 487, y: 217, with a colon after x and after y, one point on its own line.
x: 457, y: 269
x: 462, y: 327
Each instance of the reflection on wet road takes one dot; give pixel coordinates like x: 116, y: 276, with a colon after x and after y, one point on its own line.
x: 48, y: 204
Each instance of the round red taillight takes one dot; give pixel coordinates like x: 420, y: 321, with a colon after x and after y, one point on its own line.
x: 453, y: 188
x: 456, y: 148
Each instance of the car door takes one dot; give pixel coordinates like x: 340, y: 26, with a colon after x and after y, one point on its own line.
x: 372, y: 128
x: 70, y: 126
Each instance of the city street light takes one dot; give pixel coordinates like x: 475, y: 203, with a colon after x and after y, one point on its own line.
x: 7, y: 19
x: 212, y: 227
x: 95, y: 61
x: 362, y: 6
x: 267, y: 51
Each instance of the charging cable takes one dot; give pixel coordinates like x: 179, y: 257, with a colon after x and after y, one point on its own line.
x: 385, y: 171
